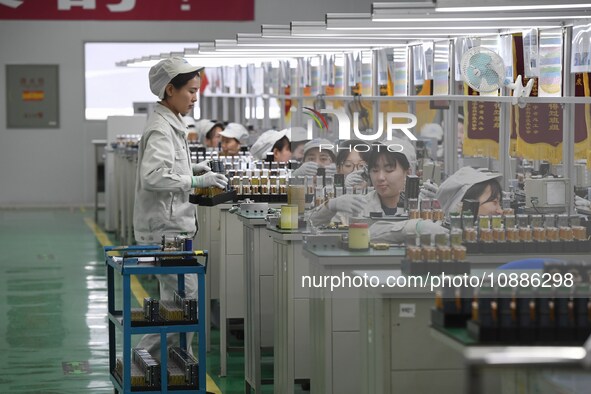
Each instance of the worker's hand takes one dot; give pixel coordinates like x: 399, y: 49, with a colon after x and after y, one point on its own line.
x: 430, y: 227
x: 202, y: 166
x: 211, y: 179
x: 347, y: 203
x: 330, y: 169
x: 309, y: 168
x: 428, y: 190
x: 582, y: 202
x: 355, y: 179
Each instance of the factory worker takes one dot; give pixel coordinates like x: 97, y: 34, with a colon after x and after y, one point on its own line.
x: 470, y: 184
x: 192, y: 136
x: 318, y: 153
x: 272, y: 141
x: 233, y: 136
x: 352, y: 163
x: 349, y: 158
x: 387, y: 174
x: 358, y: 178
x: 165, y: 176
x: 434, y: 132
x: 209, y: 133
x: 298, y: 136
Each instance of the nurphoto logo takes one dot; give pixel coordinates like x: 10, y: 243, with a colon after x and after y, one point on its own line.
x: 344, y: 124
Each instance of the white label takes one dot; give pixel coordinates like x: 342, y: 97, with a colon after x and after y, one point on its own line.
x: 408, y: 310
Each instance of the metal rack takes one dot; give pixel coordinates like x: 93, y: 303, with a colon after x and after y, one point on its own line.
x: 143, y: 260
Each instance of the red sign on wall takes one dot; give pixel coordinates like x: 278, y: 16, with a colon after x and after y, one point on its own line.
x: 148, y: 10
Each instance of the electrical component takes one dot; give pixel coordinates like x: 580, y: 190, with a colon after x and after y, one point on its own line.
x: 148, y: 365
x: 546, y: 195
x: 187, y: 371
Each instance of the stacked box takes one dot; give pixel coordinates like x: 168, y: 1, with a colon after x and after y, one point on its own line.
x: 151, y: 309
x: 187, y: 363
x: 148, y: 365
x: 188, y: 305
x: 169, y: 311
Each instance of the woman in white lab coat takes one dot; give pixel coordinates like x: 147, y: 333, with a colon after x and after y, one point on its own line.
x: 387, y: 171
x: 470, y: 184
x: 165, y: 175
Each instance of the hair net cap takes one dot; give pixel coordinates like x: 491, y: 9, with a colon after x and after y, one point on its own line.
x: 165, y: 70
x: 189, y: 122
x: 202, y: 127
x: 432, y: 130
x: 316, y: 143
x: 265, y: 143
x: 453, y: 189
x: 408, y: 150
x: 236, y: 131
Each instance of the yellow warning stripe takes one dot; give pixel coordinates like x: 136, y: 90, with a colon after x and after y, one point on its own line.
x: 137, y: 289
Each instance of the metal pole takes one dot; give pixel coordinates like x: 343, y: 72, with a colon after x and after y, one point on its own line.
x: 568, y: 117
x: 450, y: 141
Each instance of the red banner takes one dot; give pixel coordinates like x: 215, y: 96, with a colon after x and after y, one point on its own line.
x: 148, y: 10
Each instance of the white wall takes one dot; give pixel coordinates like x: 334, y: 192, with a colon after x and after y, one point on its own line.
x: 55, y: 167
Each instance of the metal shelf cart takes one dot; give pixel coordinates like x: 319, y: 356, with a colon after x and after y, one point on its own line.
x: 143, y: 260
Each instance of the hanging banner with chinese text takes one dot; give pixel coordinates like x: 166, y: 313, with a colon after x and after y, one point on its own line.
x: 481, y: 127
x: 147, y: 10
x: 518, y: 66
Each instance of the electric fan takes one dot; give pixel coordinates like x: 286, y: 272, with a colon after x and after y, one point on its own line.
x: 484, y: 71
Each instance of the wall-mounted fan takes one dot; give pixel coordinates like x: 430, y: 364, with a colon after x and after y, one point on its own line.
x: 484, y: 71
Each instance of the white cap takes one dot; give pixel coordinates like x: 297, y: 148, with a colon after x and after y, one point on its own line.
x: 297, y: 134
x: 316, y: 142
x: 165, y: 70
x: 236, y: 131
x: 202, y: 127
x: 189, y: 121
x: 265, y: 143
x: 408, y: 150
x: 432, y: 130
x: 452, y: 190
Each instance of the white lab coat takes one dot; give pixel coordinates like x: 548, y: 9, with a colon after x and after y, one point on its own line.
x: 380, y: 231
x: 322, y: 215
x: 164, y: 178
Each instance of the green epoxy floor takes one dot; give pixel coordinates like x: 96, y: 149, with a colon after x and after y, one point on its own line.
x: 53, y: 308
